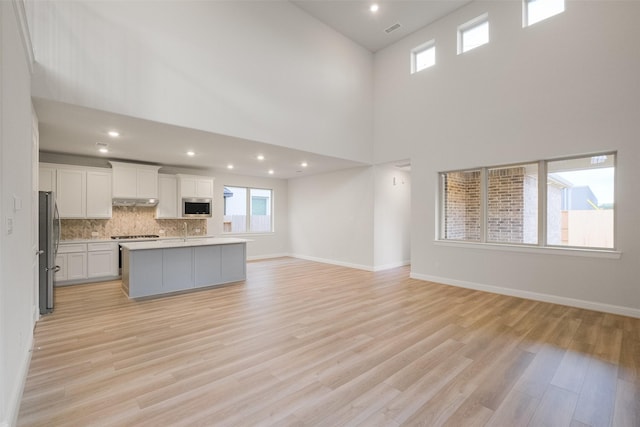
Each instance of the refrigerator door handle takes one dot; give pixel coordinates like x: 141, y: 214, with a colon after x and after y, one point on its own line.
x: 40, y: 252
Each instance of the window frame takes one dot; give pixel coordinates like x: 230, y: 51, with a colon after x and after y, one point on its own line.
x: 248, y: 206
x: 469, y: 25
x: 542, y: 244
x: 431, y: 44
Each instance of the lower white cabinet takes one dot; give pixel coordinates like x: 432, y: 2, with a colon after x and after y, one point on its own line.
x: 102, y: 259
x: 72, y: 260
x: 82, y: 262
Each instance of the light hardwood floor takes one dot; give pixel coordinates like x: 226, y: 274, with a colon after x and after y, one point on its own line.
x: 302, y: 343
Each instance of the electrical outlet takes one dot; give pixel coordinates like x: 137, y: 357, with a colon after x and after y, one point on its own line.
x: 9, y: 225
x: 197, y: 230
x: 161, y: 232
x: 94, y: 234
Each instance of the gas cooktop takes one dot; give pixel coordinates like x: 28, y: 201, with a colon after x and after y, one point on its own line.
x: 136, y: 236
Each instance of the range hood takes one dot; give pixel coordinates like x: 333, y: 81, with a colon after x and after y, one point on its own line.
x: 135, y: 202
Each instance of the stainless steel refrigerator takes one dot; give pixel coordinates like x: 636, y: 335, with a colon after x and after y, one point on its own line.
x: 49, y: 238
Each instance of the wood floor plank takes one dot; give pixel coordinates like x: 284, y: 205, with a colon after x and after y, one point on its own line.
x: 302, y: 343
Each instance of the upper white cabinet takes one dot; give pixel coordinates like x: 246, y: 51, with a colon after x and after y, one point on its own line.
x: 133, y: 181
x: 47, y: 178
x: 98, y: 194
x: 195, y: 186
x: 81, y: 192
x: 167, y: 196
x: 71, y: 193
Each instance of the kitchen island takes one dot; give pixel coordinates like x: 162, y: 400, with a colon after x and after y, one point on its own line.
x: 165, y: 266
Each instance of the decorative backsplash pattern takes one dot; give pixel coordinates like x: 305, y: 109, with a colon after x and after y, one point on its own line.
x: 128, y: 221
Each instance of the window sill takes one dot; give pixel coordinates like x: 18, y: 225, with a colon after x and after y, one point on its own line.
x: 591, y: 253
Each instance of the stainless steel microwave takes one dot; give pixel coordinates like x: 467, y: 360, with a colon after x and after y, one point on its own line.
x: 196, y: 208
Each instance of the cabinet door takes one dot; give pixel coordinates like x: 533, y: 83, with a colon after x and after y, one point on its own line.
x: 188, y: 187
x: 98, y: 194
x: 71, y: 191
x: 204, y: 188
x: 76, y: 266
x: 233, y: 262
x: 206, y: 265
x: 61, y: 275
x: 167, y: 197
x: 46, y: 178
x: 100, y: 264
x: 124, y: 182
x: 177, y: 269
x: 147, y: 185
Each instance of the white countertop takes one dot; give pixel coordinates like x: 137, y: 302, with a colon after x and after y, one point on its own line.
x: 109, y: 239
x: 179, y: 243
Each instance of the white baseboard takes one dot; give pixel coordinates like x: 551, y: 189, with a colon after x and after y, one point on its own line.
x: 392, y: 265
x: 536, y: 296
x: 13, y: 406
x: 333, y: 262
x: 268, y: 256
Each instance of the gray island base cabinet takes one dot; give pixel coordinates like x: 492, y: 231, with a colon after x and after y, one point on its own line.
x: 156, y: 268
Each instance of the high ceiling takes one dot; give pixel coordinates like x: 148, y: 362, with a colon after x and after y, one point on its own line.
x: 353, y: 18
x: 75, y: 130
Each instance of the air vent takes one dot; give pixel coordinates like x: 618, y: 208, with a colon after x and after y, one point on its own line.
x: 392, y: 28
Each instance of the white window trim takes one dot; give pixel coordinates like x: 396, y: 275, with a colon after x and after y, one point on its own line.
x: 469, y: 25
x: 248, y: 216
x: 541, y: 246
x: 418, y: 50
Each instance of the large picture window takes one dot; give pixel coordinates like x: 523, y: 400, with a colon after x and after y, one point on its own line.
x: 247, y: 210
x: 504, y: 204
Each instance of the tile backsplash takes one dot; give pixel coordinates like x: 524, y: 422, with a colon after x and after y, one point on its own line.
x: 128, y: 221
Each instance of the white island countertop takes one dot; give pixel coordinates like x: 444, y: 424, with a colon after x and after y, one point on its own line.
x: 180, y: 243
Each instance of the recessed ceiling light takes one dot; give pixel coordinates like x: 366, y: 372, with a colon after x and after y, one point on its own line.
x: 229, y: 166
x: 271, y: 172
x: 102, y: 147
x: 191, y: 153
x: 374, y: 8
x: 114, y: 133
x: 304, y: 164
x: 260, y: 157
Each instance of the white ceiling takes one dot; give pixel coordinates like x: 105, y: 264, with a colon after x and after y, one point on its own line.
x: 75, y: 130
x: 70, y: 129
x: 353, y: 18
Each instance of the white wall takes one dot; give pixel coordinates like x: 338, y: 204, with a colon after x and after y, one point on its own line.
x: 331, y: 217
x: 17, y: 297
x: 392, y: 216
x: 564, y: 86
x: 260, y: 70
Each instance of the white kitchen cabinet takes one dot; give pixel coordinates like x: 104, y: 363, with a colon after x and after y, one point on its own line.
x: 86, y: 262
x: 134, y: 181
x: 195, y: 186
x: 72, y: 259
x: 102, y: 259
x: 81, y: 192
x: 98, y: 194
x: 71, y: 190
x: 167, y: 197
x: 46, y: 178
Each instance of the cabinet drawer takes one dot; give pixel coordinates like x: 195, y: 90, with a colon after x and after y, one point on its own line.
x: 92, y: 247
x: 72, y: 248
